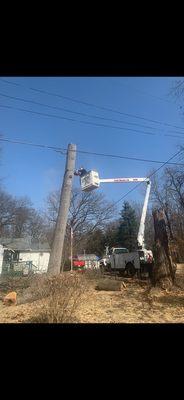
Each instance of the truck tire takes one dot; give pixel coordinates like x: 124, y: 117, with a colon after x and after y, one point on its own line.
x: 130, y: 270
x: 102, y: 268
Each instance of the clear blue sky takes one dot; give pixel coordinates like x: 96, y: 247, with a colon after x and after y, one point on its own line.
x: 34, y: 172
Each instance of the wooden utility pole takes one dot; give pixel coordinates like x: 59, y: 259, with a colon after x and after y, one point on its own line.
x: 71, y: 247
x: 60, y: 229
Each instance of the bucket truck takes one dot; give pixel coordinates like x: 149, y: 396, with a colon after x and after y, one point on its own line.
x: 119, y: 258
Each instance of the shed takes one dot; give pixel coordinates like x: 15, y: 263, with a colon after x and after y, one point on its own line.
x: 26, y: 250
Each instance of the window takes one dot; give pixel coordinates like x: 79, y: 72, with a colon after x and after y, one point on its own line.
x: 16, y: 256
x: 120, y: 251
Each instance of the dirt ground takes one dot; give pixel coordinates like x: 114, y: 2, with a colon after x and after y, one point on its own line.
x: 130, y: 305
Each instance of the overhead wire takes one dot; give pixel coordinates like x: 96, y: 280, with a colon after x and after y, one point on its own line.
x: 146, y: 93
x: 55, y: 148
x: 87, y: 122
x: 91, y: 104
x: 75, y: 120
x: 153, y: 173
x: 74, y: 112
x: 78, y: 113
x: 64, y: 150
x: 134, y: 131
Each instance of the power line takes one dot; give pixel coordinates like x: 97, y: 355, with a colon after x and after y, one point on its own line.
x: 73, y: 112
x: 125, y: 157
x: 32, y: 144
x: 77, y: 112
x: 75, y: 120
x: 167, y: 134
x: 153, y: 173
x: 62, y: 150
x: 85, y: 122
x: 91, y: 104
x: 81, y: 151
x: 146, y: 93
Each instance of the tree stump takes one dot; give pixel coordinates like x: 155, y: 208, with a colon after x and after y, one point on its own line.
x: 10, y: 299
x: 164, y: 268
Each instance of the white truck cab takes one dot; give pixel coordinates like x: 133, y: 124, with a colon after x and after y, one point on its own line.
x: 118, y: 250
x: 121, y: 260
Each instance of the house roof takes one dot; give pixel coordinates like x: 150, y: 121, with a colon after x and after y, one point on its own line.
x: 24, y: 244
x: 87, y: 257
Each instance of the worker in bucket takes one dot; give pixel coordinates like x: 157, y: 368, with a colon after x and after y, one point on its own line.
x: 80, y: 172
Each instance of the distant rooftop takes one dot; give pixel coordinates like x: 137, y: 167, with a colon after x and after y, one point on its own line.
x: 25, y: 244
x: 87, y: 257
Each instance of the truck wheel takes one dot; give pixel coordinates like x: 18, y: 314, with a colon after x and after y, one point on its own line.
x: 130, y: 270
x: 102, y: 268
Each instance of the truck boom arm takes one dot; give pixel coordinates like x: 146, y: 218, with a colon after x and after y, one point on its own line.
x: 90, y: 180
x: 123, y: 180
x: 140, y: 236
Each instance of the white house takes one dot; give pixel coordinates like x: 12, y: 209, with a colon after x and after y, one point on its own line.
x: 40, y: 259
x: 24, y: 252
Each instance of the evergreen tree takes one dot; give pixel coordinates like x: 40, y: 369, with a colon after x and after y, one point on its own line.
x: 128, y: 228
x: 111, y: 234
x: 95, y: 243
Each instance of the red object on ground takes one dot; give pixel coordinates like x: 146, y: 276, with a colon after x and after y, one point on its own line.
x: 150, y: 258
x: 79, y: 263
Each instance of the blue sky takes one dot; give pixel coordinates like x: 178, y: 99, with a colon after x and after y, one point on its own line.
x: 32, y: 172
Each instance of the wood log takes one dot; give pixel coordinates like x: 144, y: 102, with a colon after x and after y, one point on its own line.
x: 108, y: 285
x: 10, y: 298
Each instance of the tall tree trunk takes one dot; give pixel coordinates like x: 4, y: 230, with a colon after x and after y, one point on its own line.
x: 168, y: 221
x: 164, y: 268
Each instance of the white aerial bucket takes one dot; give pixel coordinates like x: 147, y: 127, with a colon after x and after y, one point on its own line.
x: 90, y: 181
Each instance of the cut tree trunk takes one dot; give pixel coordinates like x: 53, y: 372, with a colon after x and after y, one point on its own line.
x: 108, y: 285
x: 164, y: 268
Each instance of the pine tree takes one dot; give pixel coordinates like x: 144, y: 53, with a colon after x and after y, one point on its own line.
x: 128, y: 229
x: 96, y: 243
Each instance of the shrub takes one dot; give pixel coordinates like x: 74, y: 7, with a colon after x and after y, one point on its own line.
x: 60, y: 297
x: 14, y: 283
x: 92, y: 274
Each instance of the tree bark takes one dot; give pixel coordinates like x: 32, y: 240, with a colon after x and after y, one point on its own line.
x: 164, y: 268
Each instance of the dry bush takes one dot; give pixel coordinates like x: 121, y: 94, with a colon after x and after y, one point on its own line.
x: 92, y: 274
x: 60, y: 297
x: 14, y: 283
x: 35, y: 291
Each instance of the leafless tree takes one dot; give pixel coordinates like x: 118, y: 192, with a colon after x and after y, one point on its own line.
x: 178, y: 88
x: 88, y: 211
x: 18, y: 217
x: 161, y: 198
x: 177, y: 93
x: 168, y: 195
x: 7, y: 211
